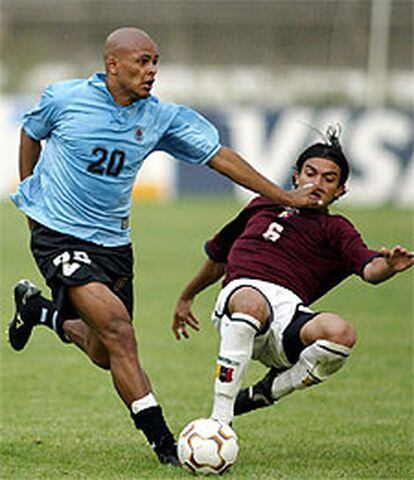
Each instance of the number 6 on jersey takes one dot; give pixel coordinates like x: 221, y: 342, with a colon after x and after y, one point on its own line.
x: 273, y: 232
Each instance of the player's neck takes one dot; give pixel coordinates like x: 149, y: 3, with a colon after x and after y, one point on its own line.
x: 314, y: 210
x: 121, y: 96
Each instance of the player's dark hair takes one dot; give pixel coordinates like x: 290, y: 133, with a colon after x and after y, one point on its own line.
x: 330, y: 149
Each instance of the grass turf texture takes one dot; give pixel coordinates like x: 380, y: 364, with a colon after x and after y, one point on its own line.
x: 60, y: 417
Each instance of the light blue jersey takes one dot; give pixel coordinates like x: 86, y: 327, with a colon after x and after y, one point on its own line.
x: 83, y: 181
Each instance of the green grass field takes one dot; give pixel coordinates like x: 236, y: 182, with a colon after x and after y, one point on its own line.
x: 61, y: 419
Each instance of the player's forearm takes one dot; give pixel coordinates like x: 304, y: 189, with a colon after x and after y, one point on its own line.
x: 231, y: 165
x: 378, y: 271
x: 209, y: 273
x: 29, y: 153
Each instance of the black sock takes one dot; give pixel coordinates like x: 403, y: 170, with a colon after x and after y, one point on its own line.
x: 152, y: 423
x: 42, y: 311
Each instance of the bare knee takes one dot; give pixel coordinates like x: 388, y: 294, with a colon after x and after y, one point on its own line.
x: 329, y: 326
x: 105, y: 315
x: 251, y: 302
x: 117, y: 334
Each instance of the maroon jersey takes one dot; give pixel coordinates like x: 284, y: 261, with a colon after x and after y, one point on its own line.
x: 306, y: 251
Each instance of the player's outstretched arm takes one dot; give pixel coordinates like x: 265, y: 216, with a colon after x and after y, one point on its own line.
x: 394, y: 260
x: 231, y: 165
x: 209, y: 273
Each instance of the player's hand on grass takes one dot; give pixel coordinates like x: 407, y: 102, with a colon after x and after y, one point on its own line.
x: 183, y: 316
x: 398, y: 258
x: 302, y: 197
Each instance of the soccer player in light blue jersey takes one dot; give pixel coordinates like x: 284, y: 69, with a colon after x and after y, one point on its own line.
x: 76, y: 192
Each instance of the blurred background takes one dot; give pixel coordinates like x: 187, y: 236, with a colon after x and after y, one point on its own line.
x: 265, y: 72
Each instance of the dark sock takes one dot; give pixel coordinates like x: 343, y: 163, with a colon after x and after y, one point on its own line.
x: 152, y: 423
x: 42, y: 311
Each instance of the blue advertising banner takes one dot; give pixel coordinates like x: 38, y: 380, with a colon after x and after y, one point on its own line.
x: 379, y: 145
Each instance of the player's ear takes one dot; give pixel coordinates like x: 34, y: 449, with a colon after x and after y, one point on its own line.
x: 295, y: 178
x: 111, y: 65
x: 341, y: 190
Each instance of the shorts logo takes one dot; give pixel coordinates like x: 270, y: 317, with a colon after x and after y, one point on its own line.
x: 71, y: 261
x: 120, y: 283
x: 224, y: 374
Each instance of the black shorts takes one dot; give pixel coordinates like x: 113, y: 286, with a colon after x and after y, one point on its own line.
x: 66, y: 261
x: 292, y: 344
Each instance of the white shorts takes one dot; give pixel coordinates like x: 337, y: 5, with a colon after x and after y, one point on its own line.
x: 284, y: 305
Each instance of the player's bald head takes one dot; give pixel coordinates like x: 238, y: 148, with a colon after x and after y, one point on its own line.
x: 131, y: 59
x: 126, y: 39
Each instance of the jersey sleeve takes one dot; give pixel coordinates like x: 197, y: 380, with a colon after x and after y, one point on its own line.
x: 220, y: 245
x: 190, y: 137
x: 350, y: 246
x: 40, y: 120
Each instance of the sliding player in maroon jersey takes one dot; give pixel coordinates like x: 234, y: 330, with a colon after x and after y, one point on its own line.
x: 277, y: 261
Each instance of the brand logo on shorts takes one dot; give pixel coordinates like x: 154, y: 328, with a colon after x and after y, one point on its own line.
x: 120, y: 283
x: 224, y: 374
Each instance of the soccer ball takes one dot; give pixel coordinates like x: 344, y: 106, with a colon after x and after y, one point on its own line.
x: 207, y: 446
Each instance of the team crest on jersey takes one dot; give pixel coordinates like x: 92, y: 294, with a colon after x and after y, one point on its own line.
x: 139, y: 134
x: 224, y: 374
x: 288, y: 212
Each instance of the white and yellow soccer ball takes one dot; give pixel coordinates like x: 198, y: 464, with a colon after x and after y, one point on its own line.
x: 207, y: 446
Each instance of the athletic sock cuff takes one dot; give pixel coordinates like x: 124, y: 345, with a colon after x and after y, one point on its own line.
x: 334, y: 348
x: 143, y: 403
x: 247, y: 319
x: 152, y: 423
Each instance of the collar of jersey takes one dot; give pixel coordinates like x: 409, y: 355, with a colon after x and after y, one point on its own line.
x: 97, y: 80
